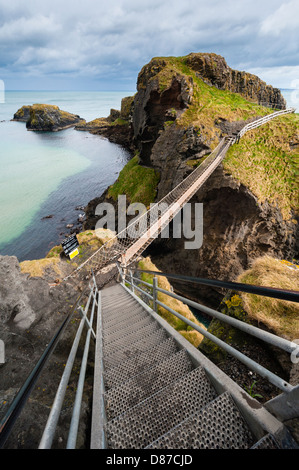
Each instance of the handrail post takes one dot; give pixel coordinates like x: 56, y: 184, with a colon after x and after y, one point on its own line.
x: 155, y: 293
x: 132, y: 281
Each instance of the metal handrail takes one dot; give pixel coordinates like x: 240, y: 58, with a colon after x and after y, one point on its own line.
x: 50, y: 428
x: 18, y: 403
x: 282, y: 294
x: 265, y: 336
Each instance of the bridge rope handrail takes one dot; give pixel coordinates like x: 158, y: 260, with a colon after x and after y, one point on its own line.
x: 150, y: 223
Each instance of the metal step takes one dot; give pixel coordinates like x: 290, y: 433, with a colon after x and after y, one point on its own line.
x: 126, y: 328
x: 124, y: 317
x: 217, y: 426
x: 128, y: 394
x: 124, y: 303
x: 150, y: 419
x: 139, y: 363
x: 133, y: 349
x: 136, y: 335
x: 266, y: 442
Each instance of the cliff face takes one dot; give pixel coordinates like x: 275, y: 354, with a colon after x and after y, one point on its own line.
x: 214, y: 70
x: 167, y: 87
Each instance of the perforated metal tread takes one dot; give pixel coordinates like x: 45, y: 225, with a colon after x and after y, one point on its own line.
x: 135, y: 390
x: 113, y: 322
x: 217, y: 426
x: 139, y: 363
x: 156, y: 415
x: 119, y: 304
x: 126, y: 328
x: 130, y: 338
x: 133, y: 349
x: 266, y: 442
x: 116, y: 309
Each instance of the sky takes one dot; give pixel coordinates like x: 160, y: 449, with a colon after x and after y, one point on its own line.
x: 102, y: 45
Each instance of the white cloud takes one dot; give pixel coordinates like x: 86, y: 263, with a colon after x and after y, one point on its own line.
x: 97, y: 40
x: 284, y: 19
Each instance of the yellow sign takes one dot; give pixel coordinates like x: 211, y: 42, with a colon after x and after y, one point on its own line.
x: 74, y: 253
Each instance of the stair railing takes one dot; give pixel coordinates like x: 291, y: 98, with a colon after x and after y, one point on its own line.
x: 128, y: 279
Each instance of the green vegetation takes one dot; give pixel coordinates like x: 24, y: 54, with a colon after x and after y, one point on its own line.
x: 250, y: 391
x: 232, y: 306
x: 280, y: 316
x: 193, y: 336
x: 209, y: 103
x: 137, y: 182
x: 265, y: 162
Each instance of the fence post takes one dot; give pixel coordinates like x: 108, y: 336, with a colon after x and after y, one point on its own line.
x: 155, y: 292
x: 132, y: 281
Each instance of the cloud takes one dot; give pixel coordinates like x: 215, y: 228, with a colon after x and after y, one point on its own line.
x: 112, y: 41
x: 283, y: 20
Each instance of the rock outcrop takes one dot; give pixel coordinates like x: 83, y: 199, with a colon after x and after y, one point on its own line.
x: 117, y: 127
x: 166, y: 88
x: 46, y: 117
x: 22, y: 114
x: 213, y: 69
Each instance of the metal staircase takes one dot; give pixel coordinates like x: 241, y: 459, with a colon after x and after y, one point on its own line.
x: 159, y: 392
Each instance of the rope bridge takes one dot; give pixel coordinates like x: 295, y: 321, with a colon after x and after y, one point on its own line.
x: 125, y: 247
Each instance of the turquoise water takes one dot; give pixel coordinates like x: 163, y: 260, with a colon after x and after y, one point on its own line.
x: 52, y: 173
x: 43, y: 173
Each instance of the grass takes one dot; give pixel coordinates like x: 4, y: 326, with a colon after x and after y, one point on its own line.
x: 36, y: 268
x: 138, y: 183
x: 189, y: 333
x: 208, y: 102
x: 265, y: 162
x: 280, y: 316
x: 89, y: 242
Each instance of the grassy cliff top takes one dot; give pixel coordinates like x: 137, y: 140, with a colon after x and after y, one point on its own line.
x: 208, y: 103
x: 266, y: 161
x: 280, y: 316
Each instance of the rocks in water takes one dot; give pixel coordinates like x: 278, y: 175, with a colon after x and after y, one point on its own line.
x: 48, y: 217
x: 22, y: 114
x: 45, y: 117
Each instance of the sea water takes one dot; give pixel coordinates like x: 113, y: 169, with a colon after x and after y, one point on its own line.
x: 51, y: 173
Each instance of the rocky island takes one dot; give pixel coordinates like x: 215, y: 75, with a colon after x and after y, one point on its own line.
x: 46, y: 117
